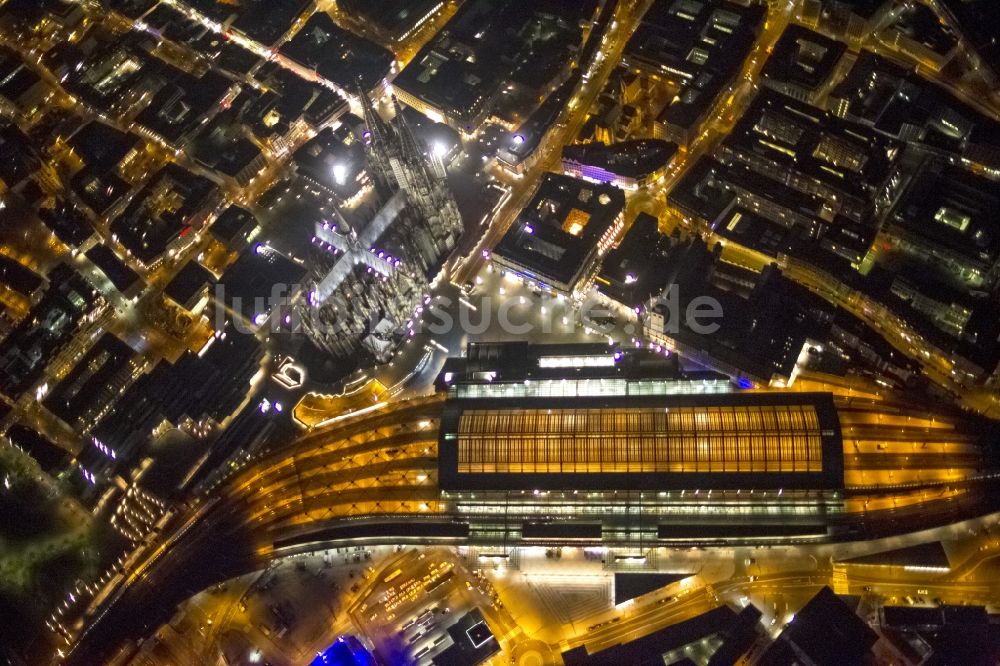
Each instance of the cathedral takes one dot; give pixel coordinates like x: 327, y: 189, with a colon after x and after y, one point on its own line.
x: 369, y: 280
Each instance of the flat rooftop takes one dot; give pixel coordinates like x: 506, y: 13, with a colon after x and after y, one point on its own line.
x: 395, y: 18
x: 18, y: 277
x: 846, y: 157
x: 561, y: 227
x: 978, y: 19
x: 803, y: 58
x: 101, y: 146
x: 825, y: 631
x: 337, y: 54
x: 188, y: 283
x: 637, y: 268
x: 488, y: 44
x: 954, y: 209
x: 233, y: 223
x: 117, y: 271
x: 679, y: 38
x: 631, y: 159
x: 93, y: 382
x: 649, y: 649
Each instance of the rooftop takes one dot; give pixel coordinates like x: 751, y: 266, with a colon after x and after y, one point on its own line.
x: 337, y: 54
x: 50, y: 457
x: 702, y: 191
x: 629, y: 585
x: 335, y: 159
x: 672, y: 442
x: 893, y: 99
x: 521, y: 369
x: 488, y: 43
x: 18, y: 157
x: 233, y: 223
x: 252, y: 277
x: 863, y: 8
x: 767, y: 321
x: 102, y: 147
x: 528, y: 135
x: 93, y: 383
x: 181, y: 102
x: 826, y: 631
x: 624, y: 420
x: 393, y: 18
x: 116, y: 270
x: 803, y: 58
x: 472, y: 642
x: 100, y: 190
x: 16, y: 78
x: 223, y: 147
x: 200, y: 387
x: 636, y: 269
x: 161, y: 212
x: 188, y: 283
x: 631, y: 159
x: 67, y: 222
x: 953, y: 208
x: 977, y: 19
x: 29, y: 347
x: 18, y: 277
x: 680, y: 38
x: 561, y: 228
x: 649, y: 649
x: 921, y: 24
x: 922, y: 555
x: 795, y: 136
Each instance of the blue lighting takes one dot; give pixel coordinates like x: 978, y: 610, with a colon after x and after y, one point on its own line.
x: 346, y: 651
x: 745, y: 383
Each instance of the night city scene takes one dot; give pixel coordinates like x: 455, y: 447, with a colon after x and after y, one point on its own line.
x: 499, y: 332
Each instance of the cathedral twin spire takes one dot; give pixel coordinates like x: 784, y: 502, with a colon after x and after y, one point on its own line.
x: 398, y: 160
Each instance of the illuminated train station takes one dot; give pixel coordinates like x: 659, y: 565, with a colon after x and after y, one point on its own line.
x: 587, y: 443
x: 589, y: 446
x: 593, y: 445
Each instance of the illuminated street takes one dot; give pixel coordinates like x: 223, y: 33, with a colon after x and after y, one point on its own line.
x: 458, y: 332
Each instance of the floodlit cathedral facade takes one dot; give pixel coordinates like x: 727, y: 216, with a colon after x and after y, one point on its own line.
x: 369, y: 280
